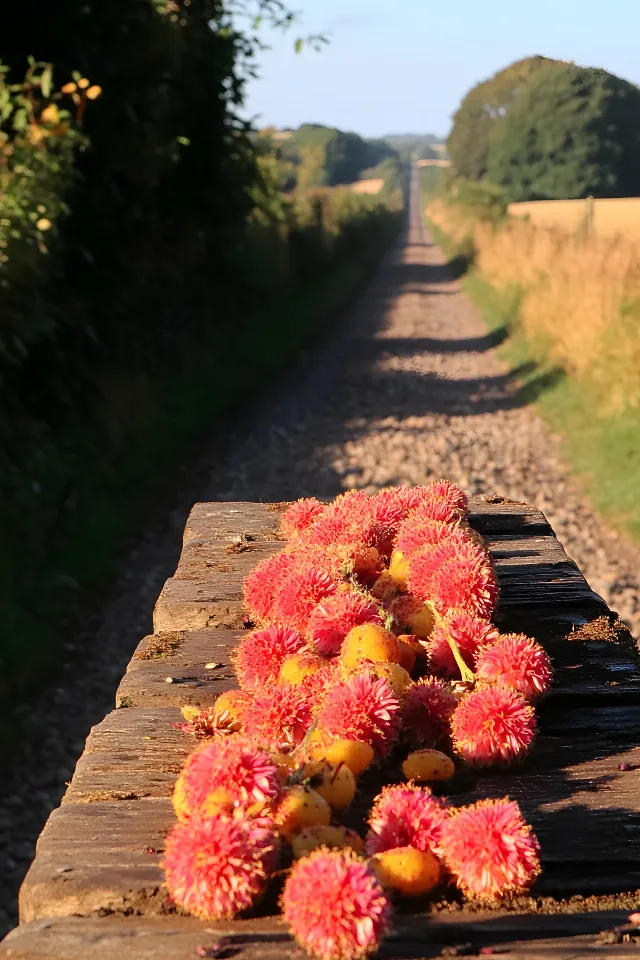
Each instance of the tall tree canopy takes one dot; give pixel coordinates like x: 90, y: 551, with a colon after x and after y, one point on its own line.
x: 572, y: 132
x: 325, y: 156
x: 486, y: 104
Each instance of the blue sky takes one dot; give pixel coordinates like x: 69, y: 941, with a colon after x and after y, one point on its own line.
x: 397, y: 66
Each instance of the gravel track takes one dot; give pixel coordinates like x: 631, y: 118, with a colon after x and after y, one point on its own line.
x: 409, y: 388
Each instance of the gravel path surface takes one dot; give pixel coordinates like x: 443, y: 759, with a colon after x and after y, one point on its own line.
x: 410, y: 388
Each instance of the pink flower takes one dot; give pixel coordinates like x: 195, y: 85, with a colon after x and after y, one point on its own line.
x: 332, y: 619
x: 335, y: 905
x: 518, y: 662
x: 427, y: 709
x: 215, y: 868
x: 259, y: 586
x: 455, y: 575
x: 361, y: 708
x: 278, y: 715
x: 232, y: 764
x: 470, y: 633
x: 406, y: 816
x: 300, y: 515
x: 302, y: 590
x: 490, y: 849
x: 493, y: 726
x: 259, y: 655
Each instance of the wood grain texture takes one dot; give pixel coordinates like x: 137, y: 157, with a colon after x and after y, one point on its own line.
x: 529, y: 936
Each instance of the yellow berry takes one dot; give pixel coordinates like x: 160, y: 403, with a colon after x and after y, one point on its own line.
x: 218, y: 801
x: 94, y: 92
x: 232, y: 702
x: 428, y: 765
x: 298, y: 666
x: 407, y: 655
x: 368, y: 642
x: 68, y: 87
x: 337, y: 838
x: 413, y: 615
x: 336, y: 784
x: 385, y: 586
x: 179, y: 799
x: 356, y: 754
x: 301, y: 807
x: 83, y: 83
x: 399, y: 569
x: 396, y: 676
x: 410, y: 871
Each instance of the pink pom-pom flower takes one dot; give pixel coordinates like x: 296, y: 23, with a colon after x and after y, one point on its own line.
x: 434, y: 508
x: 470, y: 633
x: 493, y: 726
x: 417, y: 534
x: 332, y: 619
x: 279, y: 715
x: 259, y: 656
x: 259, y: 586
x: 427, y: 709
x: 518, y: 662
x: 455, y: 575
x: 450, y: 493
x: 299, y: 516
x: 335, y: 905
x: 233, y: 765
x: 304, y: 588
x: 361, y: 708
x: 490, y: 849
x: 406, y: 816
x: 215, y: 868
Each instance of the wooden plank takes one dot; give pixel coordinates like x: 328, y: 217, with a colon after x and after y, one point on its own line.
x: 563, y: 936
x: 230, y: 521
x: 201, y: 559
x: 200, y: 604
x: 199, y: 667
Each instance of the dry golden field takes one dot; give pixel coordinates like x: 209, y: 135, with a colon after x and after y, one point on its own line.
x: 374, y: 185
x: 609, y: 217
x: 580, y: 293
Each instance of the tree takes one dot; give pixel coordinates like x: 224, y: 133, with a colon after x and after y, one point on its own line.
x: 484, y: 105
x: 573, y: 132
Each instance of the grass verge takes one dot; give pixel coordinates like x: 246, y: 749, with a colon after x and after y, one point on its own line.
x: 602, y: 451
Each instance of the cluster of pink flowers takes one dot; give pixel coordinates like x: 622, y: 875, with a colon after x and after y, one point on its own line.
x: 372, y: 634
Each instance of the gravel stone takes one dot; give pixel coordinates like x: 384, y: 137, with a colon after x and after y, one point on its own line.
x: 408, y: 388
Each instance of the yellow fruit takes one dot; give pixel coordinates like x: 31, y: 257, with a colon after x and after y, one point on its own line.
x: 407, y: 655
x: 298, y: 666
x: 337, y: 838
x: 399, y: 569
x: 368, y: 642
x: 355, y: 753
x: 410, y: 871
x: 179, y: 800
x: 94, y: 92
x: 285, y: 763
x: 410, y: 640
x: 398, y: 678
x: 84, y: 83
x: 414, y: 616
x: 189, y: 712
x: 218, y: 801
x: 335, y: 783
x: 232, y: 702
x: 301, y: 807
x: 428, y: 765
x: 68, y: 87
x: 385, y: 586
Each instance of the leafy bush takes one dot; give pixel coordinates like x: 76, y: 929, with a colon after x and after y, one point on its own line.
x: 572, y: 132
x: 484, y: 106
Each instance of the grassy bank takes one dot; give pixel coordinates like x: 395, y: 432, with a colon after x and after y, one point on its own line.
x: 114, y: 493
x: 594, y: 412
